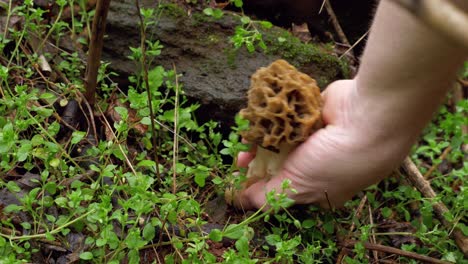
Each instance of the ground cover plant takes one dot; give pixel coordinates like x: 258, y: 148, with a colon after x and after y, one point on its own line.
x: 95, y: 183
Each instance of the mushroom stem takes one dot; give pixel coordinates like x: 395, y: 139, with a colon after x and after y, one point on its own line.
x: 264, y: 166
x: 267, y: 164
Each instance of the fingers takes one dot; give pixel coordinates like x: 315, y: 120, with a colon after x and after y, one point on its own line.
x: 244, y: 158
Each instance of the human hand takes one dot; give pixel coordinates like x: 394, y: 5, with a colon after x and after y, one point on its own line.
x: 335, y: 162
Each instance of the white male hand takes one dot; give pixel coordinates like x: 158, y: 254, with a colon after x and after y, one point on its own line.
x: 335, y: 162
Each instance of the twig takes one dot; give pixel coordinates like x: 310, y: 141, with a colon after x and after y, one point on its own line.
x: 114, y: 137
x: 457, y: 97
x: 372, y: 238
x: 354, y: 45
x: 396, y: 251
x: 440, y: 15
x: 440, y: 209
x: 336, y: 25
x: 148, y: 90
x: 95, y: 49
x: 51, y: 232
x: 351, y: 229
x: 436, y: 165
x: 175, y: 149
x: 463, y: 83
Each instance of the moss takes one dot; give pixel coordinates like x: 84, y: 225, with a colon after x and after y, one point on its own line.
x: 281, y: 42
x: 344, y: 65
x: 211, y: 39
x: 231, y: 55
x: 172, y: 10
x: 200, y: 18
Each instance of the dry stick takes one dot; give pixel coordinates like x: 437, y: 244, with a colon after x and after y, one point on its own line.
x: 337, y: 26
x: 463, y: 83
x: 175, y: 149
x: 457, y: 97
x: 148, y: 90
x: 436, y: 165
x: 372, y: 238
x: 95, y: 50
x: 440, y: 15
x: 351, y: 229
x: 114, y: 137
x: 396, y: 251
x: 354, y: 45
x: 440, y: 209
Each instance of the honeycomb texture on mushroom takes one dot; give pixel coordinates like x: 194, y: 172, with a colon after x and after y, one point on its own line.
x: 284, y: 106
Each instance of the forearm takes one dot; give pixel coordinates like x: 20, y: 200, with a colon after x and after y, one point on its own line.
x: 405, y: 71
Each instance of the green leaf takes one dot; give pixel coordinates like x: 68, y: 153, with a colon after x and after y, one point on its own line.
x: 86, y: 255
x: 309, y: 223
x: 217, y: 180
x: 329, y: 227
x: 77, y: 136
x: 386, y: 212
x: 234, y: 231
x: 218, y: 13
x: 13, y: 187
x: 122, y: 111
x: 208, y: 11
x: 146, y: 163
x: 13, y: 208
x: 148, y: 231
x: 61, y: 201
x: 26, y: 225
x: 216, y: 235
x: 245, y: 20
x: 101, y: 242
x: 51, y: 188
x: 242, y: 245
x: 156, y: 78
x: 47, y: 96
x: 266, y: 24
x: 463, y: 228
x: 201, y: 173
x: 238, y: 3
x: 55, y: 162
x: 146, y: 121
x: 24, y: 151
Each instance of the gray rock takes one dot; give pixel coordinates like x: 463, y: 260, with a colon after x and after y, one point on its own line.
x: 213, y: 73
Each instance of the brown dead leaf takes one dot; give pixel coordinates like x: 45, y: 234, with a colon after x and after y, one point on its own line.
x: 392, y: 226
x: 133, y: 119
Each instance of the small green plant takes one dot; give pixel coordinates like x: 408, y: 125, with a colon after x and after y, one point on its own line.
x: 99, y: 186
x: 247, y: 33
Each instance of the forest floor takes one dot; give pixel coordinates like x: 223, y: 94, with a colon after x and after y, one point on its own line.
x: 134, y: 178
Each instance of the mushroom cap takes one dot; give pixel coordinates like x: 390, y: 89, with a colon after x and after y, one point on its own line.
x: 284, y: 106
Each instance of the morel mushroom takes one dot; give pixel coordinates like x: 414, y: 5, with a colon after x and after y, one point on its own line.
x: 284, y: 109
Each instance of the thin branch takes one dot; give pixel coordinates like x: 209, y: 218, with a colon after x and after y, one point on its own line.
x: 372, y: 237
x: 175, y: 142
x: 440, y: 15
x: 458, y: 97
x: 436, y: 165
x: 336, y: 23
x: 148, y: 90
x: 396, y: 251
x: 357, y: 214
x: 95, y: 49
x: 423, y: 186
